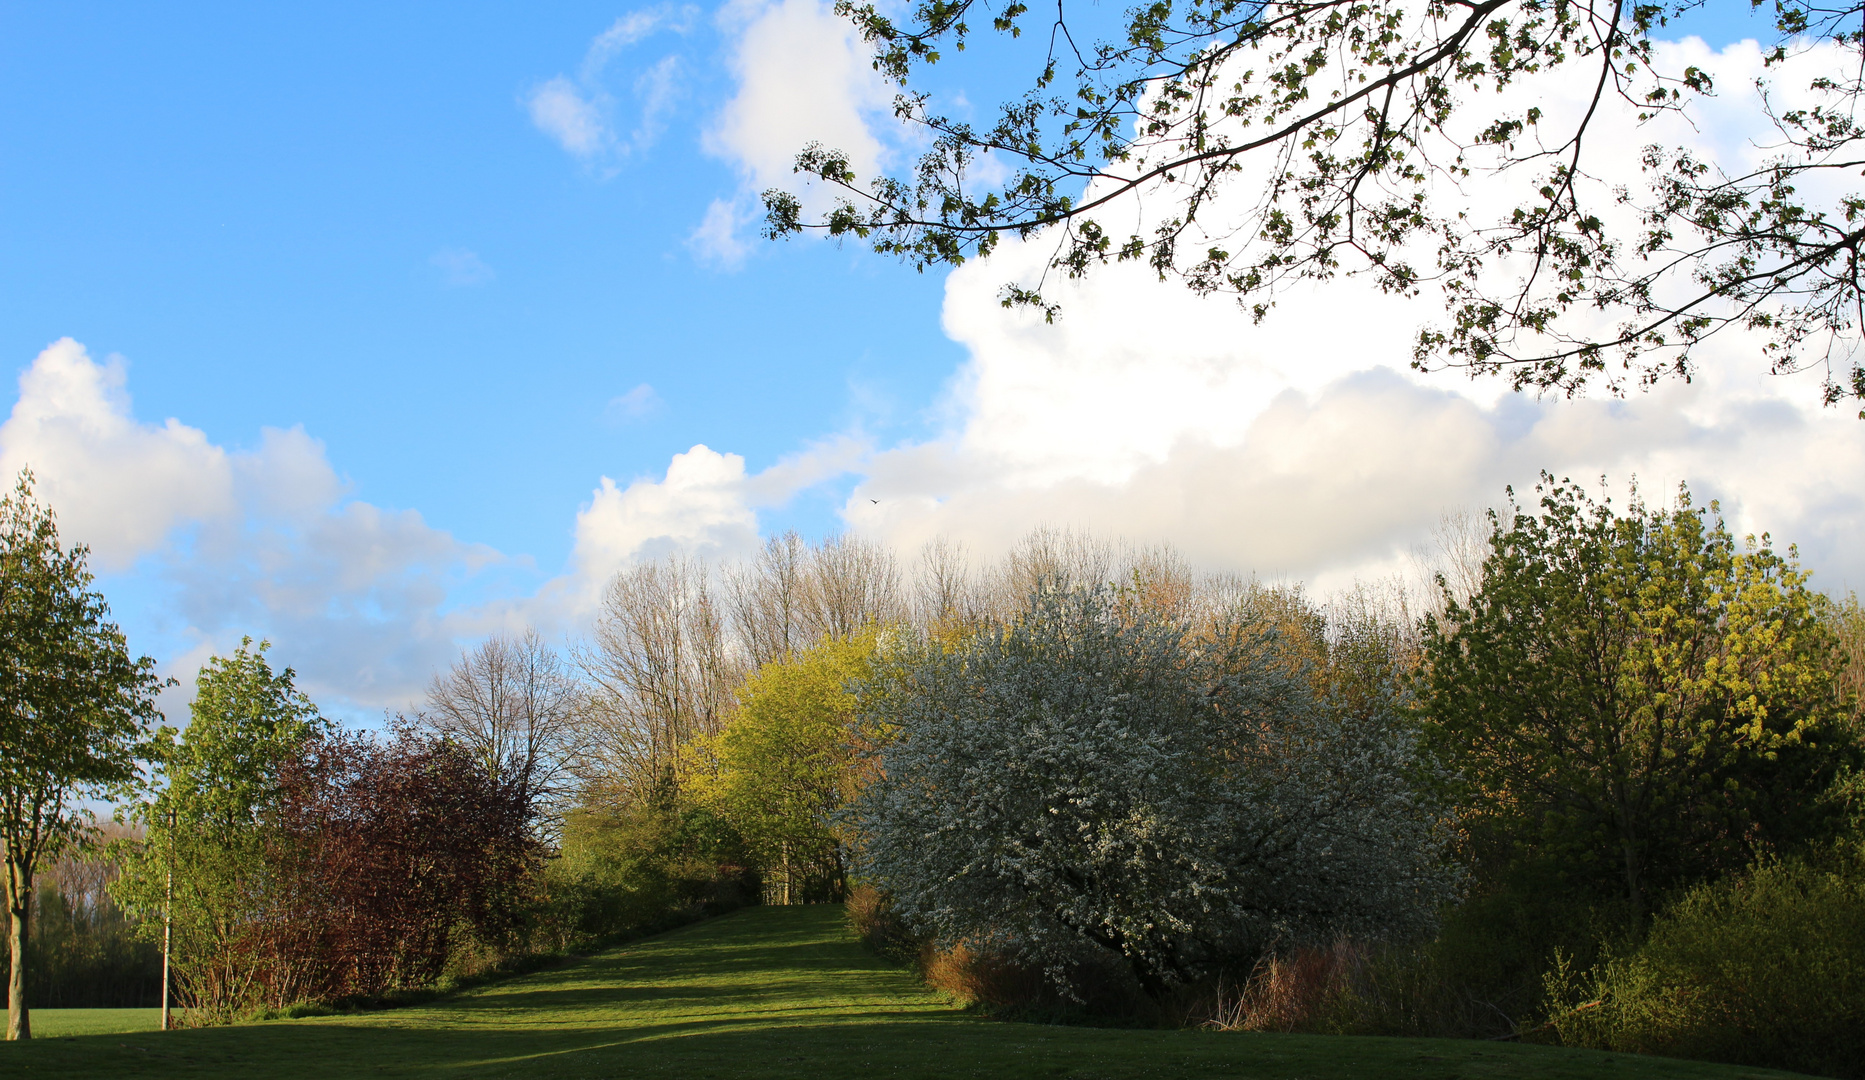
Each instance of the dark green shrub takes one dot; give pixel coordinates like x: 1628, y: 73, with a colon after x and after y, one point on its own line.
x: 1762, y: 968
x: 1481, y: 976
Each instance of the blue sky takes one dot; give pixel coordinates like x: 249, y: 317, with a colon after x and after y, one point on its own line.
x: 251, y: 208
x: 466, y: 261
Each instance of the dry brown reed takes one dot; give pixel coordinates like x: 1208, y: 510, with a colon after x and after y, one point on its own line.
x: 1294, y: 991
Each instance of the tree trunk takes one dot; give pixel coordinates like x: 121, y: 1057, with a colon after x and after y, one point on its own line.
x: 19, y: 925
x: 1634, y: 880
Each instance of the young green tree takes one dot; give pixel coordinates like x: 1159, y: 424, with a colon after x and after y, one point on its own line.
x: 784, y: 765
x: 1637, y: 699
x: 207, y: 827
x: 75, y: 710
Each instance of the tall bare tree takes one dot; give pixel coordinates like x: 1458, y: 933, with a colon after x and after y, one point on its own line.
x: 662, y: 668
x: 946, y: 589
x: 853, y: 583
x: 769, y: 599
x: 515, y: 704
x: 1059, y: 557
x: 1162, y: 581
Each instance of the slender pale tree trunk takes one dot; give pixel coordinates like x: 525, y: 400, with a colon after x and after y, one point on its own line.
x: 19, y: 926
x: 168, y: 931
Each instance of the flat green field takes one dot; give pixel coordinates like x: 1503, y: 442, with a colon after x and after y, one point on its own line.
x: 768, y: 992
x: 53, y: 1023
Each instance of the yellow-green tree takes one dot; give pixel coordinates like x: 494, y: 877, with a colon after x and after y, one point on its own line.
x: 785, y: 765
x: 1636, y: 700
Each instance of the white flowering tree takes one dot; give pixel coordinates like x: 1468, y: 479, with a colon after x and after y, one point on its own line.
x: 1091, y: 779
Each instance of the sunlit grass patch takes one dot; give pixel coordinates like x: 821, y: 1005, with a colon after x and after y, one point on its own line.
x: 57, y: 1023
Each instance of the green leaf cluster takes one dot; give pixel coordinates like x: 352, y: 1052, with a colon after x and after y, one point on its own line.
x: 204, y: 858
x: 1766, y: 967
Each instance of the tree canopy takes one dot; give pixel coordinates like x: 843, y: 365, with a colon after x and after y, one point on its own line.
x: 1241, y: 145
x: 784, y: 765
x: 75, y: 709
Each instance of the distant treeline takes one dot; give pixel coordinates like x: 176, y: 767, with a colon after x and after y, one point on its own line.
x: 87, y: 952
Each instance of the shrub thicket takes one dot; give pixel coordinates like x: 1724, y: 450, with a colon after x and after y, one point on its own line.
x: 1761, y: 968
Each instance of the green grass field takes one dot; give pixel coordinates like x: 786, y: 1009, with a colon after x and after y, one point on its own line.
x: 766, y: 992
x: 55, y: 1023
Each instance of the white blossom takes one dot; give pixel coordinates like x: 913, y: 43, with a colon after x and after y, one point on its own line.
x: 1089, y: 778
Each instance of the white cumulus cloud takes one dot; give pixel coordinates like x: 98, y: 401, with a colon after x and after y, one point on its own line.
x: 118, y: 484
x: 700, y: 506
x: 705, y: 505
x: 263, y: 541
x: 802, y: 76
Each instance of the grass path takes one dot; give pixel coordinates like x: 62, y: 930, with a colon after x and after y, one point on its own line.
x: 769, y: 992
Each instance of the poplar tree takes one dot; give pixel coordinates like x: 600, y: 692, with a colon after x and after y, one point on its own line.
x: 75, y: 710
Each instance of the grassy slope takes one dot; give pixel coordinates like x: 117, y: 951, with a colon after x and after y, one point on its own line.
x: 767, y: 992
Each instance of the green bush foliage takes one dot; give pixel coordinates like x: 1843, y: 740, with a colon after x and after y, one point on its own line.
x: 637, y: 869
x: 1761, y: 968
x: 203, y: 857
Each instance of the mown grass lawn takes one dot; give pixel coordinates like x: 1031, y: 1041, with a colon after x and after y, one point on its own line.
x: 56, y: 1023
x: 767, y: 992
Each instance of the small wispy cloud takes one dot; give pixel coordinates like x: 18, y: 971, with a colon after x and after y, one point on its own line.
x: 460, y: 267
x: 578, y: 112
x: 560, y: 110
x: 631, y: 28
x: 717, y: 241
x: 657, y: 88
x: 636, y: 404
